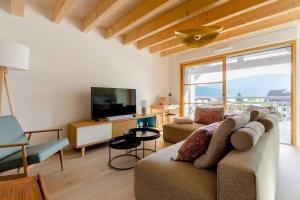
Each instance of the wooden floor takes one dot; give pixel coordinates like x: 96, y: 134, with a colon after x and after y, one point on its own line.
x: 90, y: 177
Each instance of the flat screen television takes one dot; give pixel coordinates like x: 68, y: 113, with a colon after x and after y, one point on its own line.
x: 108, y: 102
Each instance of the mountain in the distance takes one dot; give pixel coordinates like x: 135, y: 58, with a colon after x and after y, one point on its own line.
x: 258, y: 85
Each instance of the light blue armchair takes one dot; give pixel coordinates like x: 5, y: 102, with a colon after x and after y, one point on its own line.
x: 15, y: 150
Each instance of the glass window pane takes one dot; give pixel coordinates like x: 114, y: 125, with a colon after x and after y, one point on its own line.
x: 204, y: 93
x: 262, y: 79
x: 203, y: 87
x: 203, y: 73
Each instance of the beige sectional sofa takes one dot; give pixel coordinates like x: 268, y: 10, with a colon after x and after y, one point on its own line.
x: 177, y: 132
x: 249, y: 175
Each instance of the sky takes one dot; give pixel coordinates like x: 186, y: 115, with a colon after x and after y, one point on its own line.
x: 249, y: 82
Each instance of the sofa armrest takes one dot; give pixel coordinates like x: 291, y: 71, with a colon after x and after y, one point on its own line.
x: 250, y: 175
x: 235, y: 180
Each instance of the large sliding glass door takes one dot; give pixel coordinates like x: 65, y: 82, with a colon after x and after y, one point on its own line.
x: 261, y: 77
x: 203, y: 86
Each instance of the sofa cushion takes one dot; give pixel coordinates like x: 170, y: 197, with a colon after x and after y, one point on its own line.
x: 177, y: 132
x: 208, y: 115
x: 197, y: 143
x: 220, y: 141
x: 159, y: 177
x: 246, y: 137
x: 269, y: 121
x: 35, y: 154
x: 257, y: 112
x: 10, y: 132
x: 183, y: 120
x: 278, y: 114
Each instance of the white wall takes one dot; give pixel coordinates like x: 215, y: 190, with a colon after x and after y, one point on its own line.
x: 271, y: 36
x: 65, y: 63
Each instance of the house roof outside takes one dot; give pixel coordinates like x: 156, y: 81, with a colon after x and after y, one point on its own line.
x: 280, y: 93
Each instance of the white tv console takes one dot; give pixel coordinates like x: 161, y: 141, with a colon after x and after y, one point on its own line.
x: 121, y: 117
x: 87, y: 133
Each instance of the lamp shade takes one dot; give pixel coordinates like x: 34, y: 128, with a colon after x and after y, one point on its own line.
x: 199, y: 37
x: 144, y: 103
x: 14, y: 55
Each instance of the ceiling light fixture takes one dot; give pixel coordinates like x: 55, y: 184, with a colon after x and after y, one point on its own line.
x: 199, y: 37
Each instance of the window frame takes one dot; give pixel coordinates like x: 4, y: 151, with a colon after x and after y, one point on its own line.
x: 223, y: 58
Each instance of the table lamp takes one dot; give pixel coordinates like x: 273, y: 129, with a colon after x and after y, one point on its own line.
x: 13, y: 56
x: 144, y: 107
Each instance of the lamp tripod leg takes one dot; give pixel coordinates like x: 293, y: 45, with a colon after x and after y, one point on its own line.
x: 2, y: 82
x: 8, y: 92
x: 5, y: 83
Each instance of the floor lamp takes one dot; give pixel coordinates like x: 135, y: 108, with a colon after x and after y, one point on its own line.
x: 13, y: 56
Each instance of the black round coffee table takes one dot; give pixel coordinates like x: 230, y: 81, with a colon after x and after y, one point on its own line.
x: 123, y: 143
x: 142, y: 135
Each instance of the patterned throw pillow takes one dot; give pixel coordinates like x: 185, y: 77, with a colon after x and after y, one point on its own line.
x: 197, y: 143
x: 208, y: 115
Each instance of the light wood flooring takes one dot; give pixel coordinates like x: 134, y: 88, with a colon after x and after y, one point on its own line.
x: 90, y: 178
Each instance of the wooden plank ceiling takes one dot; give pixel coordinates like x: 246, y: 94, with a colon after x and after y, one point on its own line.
x: 151, y: 23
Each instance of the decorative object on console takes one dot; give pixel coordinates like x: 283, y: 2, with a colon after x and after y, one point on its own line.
x: 197, y: 143
x: 163, y: 101
x: 199, y: 37
x: 144, y: 107
x: 13, y: 56
x: 208, y: 115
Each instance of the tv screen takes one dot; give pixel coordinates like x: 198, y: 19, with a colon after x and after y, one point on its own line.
x: 108, y: 102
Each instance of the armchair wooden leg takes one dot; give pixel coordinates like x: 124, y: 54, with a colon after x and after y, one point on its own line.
x: 61, y: 156
x: 25, y: 163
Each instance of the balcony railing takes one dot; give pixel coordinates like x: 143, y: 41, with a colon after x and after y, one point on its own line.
x: 239, y: 104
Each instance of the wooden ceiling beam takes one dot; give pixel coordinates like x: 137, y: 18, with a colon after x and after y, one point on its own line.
x: 136, y: 15
x: 224, y: 11
x: 61, y: 9
x: 169, y: 18
x: 256, y: 15
x: 17, y: 7
x: 242, y: 31
x: 92, y: 18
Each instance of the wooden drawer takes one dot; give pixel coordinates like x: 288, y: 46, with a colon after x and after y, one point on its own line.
x: 119, y: 127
